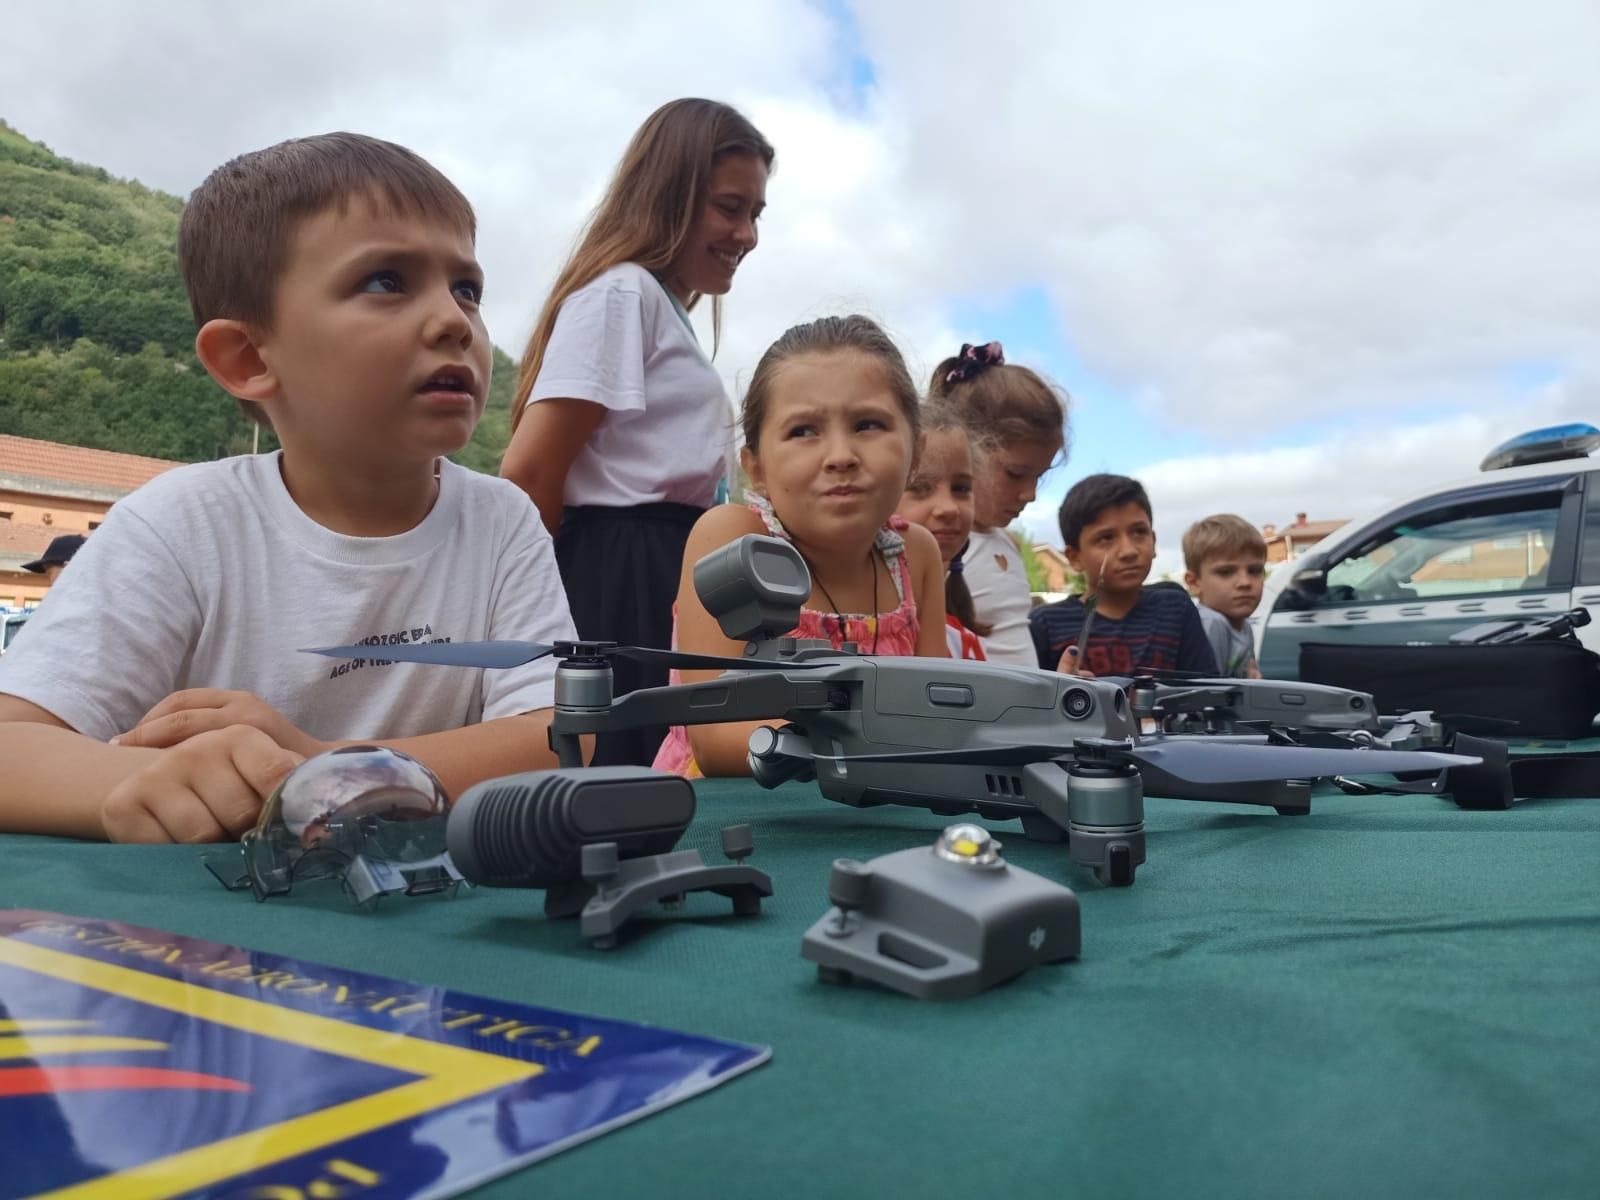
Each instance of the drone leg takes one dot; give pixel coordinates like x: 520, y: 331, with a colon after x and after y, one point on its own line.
x: 1119, y: 866
x: 569, y: 750
x: 1037, y: 827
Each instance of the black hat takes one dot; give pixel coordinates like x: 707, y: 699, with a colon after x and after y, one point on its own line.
x: 58, y: 554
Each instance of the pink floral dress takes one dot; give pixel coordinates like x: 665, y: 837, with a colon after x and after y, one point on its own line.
x: 875, y: 633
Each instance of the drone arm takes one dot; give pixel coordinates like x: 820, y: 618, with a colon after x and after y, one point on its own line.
x: 727, y: 708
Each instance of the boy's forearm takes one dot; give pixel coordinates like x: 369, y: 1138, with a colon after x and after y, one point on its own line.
x: 54, y: 780
x: 473, y: 753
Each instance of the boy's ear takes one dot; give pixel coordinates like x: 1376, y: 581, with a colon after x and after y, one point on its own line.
x: 751, y: 465
x: 1073, y: 561
x: 231, y: 353
x: 1191, y: 580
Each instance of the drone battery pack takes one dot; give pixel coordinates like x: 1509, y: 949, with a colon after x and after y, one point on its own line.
x: 1547, y: 688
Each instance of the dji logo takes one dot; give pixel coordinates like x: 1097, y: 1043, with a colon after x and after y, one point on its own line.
x: 1036, y: 939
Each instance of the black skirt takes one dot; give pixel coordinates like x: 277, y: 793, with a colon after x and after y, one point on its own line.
x: 621, y: 567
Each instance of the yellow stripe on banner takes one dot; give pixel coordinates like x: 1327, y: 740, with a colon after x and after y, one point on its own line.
x: 40, y: 1047
x: 43, y: 1024
x: 452, y: 1073
x: 178, y: 1174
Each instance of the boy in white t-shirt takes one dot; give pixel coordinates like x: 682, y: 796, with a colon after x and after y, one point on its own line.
x: 159, y: 694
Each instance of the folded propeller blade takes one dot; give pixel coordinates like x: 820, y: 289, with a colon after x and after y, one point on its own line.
x: 446, y: 654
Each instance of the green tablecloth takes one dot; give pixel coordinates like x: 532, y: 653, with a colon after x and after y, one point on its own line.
x: 1387, y: 997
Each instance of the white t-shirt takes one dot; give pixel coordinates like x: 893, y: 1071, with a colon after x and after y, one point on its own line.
x: 998, y: 580
x: 211, y: 576
x: 619, y: 342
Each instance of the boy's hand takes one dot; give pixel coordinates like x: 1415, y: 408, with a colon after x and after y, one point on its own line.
x: 209, y: 789
x: 1068, y: 664
x: 186, y: 714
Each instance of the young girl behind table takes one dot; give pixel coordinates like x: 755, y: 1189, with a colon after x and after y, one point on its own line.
x: 621, y: 423
x: 1022, y: 423
x: 939, y: 497
x: 831, y: 426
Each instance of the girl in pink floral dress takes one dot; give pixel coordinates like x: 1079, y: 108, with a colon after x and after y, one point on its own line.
x: 831, y: 431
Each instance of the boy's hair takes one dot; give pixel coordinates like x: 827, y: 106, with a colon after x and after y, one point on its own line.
x: 1002, y: 402
x: 1220, y: 534
x: 233, y: 238
x: 938, y: 416
x: 822, y: 336
x: 648, y: 211
x: 1091, y: 496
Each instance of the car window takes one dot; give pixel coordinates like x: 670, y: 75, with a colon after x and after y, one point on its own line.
x: 1463, y: 550
x: 1589, y: 566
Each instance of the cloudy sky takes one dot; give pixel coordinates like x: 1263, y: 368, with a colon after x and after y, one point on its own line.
x: 1285, y: 257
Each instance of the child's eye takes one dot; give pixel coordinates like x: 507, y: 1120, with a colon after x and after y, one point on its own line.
x: 382, y: 282
x: 871, y: 423
x: 801, y: 431
x: 469, y: 290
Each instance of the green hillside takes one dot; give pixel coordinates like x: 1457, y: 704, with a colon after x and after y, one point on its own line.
x: 96, y: 338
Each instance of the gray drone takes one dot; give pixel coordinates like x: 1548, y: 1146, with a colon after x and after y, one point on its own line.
x: 1066, y: 756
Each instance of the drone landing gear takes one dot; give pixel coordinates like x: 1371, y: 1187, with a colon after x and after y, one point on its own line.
x: 613, y: 892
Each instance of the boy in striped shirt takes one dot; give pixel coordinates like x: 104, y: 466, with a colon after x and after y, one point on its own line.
x: 1120, y: 627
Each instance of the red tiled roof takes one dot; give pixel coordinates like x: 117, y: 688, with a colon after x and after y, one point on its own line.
x: 1311, y: 529
x: 78, y: 464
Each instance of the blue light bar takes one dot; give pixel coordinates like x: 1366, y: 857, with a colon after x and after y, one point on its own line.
x: 1543, y: 445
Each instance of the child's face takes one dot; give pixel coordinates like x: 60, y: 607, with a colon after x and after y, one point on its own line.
x: 1010, y: 479
x: 1229, y: 583
x: 1115, y: 550
x: 378, y: 350
x: 835, y: 449
x: 725, y: 231
x: 939, y: 494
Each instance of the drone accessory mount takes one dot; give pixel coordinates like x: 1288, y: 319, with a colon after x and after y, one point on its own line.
x: 601, y: 842
x: 943, y: 921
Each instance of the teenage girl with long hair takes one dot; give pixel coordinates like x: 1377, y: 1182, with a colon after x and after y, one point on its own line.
x: 621, y: 424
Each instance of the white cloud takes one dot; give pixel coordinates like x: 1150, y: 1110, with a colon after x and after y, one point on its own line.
x: 1269, y: 218
x: 1343, y: 477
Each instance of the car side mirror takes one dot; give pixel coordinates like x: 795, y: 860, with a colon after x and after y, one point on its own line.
x: 1306, y: 589
x: 1312, y: 581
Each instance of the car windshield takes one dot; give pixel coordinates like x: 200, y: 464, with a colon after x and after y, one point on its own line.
x: 1464, y: 554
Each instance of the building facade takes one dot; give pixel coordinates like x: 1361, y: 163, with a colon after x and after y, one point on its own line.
x: 48, y: 489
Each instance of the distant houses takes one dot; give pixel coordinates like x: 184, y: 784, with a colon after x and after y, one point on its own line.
x: 1294, y: 540
x: 47, y: 489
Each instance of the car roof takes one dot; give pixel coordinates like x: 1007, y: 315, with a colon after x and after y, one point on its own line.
x: 1483, y: 479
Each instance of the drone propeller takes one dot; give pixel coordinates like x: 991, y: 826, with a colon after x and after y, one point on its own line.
x: 1200, y: 760
x: 1196, y: 759
x: 499, y: 655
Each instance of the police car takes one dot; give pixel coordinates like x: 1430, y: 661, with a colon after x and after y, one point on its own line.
x: 1520, y: 539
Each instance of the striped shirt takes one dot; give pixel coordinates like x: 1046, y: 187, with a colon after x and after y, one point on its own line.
x: 1162, y: 632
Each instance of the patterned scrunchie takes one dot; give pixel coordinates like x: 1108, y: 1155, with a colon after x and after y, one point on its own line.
x: 973, y: 360
x: 957, y: 565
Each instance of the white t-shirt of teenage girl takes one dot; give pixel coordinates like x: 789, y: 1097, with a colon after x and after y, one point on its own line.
x: 998, y: 580
x: 623, y: 342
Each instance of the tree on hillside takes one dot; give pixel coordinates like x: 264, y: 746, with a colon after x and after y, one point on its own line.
x: 96, y: 334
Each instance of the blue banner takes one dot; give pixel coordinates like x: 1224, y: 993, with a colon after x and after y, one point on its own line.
x: 138, y: 1063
